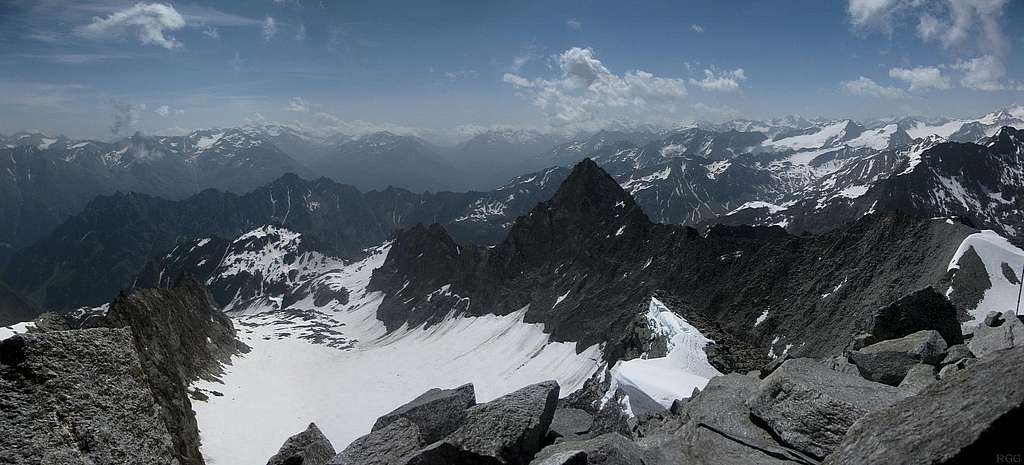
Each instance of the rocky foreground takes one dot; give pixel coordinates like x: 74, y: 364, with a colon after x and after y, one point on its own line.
x: 908, y: 399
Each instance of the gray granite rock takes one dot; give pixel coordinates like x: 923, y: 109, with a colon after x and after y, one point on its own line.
x: 570, y: 423
x: 436, y: 412
x: 918, y: 377
x: 1007, y: 332
x: 810, y: 407
x: 972, y: 416
x: 392, y: 444
x: 607, y: 449
x: 309, y: 447
x: 79, y: 397
x: 956, y: 353
x: 888, y: 361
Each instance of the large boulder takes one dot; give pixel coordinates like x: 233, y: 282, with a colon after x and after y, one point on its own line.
x: 888, y: 361
x: 997, y: 332
x: 392, y: 444
x: 810, y: 406
x: 570, y: 423
x: 918, y: 377
x: 607, y: 449
x: 972, y: 416
x: 79, y: 397
x: 923, y: 310
x: 715, y: 428
x: 309, y: 447
x: 437, y: 412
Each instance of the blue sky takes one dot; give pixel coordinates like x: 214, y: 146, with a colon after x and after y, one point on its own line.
x: 87, y: 67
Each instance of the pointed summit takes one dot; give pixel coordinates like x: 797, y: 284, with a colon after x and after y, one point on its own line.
x: 589, y: 188
x: 1007, y: 141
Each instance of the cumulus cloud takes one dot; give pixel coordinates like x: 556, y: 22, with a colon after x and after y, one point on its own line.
x: 867, y: 87
x: 697, y: 28
x: 269, y: 28
x: 149, y: 22
x: 955, y: 24
x: 574, y: 24
x: 983, y: 73
x: 921, y: 78
x: 126, y: 117
x: 717, y: 80
x: 298, y: 104
x: 586, y: 91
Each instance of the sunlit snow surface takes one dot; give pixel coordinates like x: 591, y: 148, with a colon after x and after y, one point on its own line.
x: 994, y: 250
x: 287, y: 381
x: 17, y: 328
x: 673, y: 376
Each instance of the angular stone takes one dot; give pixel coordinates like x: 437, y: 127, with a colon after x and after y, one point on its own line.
x: 926, y: 309
x: 955, y: 354
x: 715, y: 428
x: 508, y: 430
x: 573, y: 457
x: 861, y: 341
x: 570, y: 423
x: 607, y: 449
x: 948, y: 370
x: 888, y: 361
x: 993, y: 319
x: 810, y: 406
x: 918, y: 377
x: 436, y: 412
x: 988, y: 339
x: 309, y: 447
x: 392, y: 444
x: 972, y: 416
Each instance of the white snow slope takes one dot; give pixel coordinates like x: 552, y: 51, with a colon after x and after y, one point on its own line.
x: 994, y: 251
x: 673, y: 376
x: 285, y: 382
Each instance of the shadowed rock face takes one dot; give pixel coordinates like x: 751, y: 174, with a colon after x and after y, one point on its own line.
x: 73, y: 397
x: 924, y: 309
x: 180, y: 335
x: 592, y: 251
x: 13, y: 308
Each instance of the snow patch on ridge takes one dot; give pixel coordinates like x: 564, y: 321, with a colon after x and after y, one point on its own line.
x: 17, y: 328
x: 994, y: 251
x: 673, y: 376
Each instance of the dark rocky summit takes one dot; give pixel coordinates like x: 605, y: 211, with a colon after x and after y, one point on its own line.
x: 74, y: 397
x: 436, y: 413
x: 309, y: 447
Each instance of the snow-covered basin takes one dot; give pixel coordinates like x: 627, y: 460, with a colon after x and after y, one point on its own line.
x: 674, y: 376
x: 283, y: 384
x: 994, y: 251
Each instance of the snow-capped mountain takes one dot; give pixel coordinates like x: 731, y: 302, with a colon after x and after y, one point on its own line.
x: 965, y: 130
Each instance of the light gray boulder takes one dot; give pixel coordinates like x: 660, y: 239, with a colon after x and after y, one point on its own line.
x: 956, y: 353
x: 437, y: 412
x: 607, y: 449
x: 392, y: 444
x: 997, y: 333
x: 888, y: 361
x: 309, y: 447
x: 810, y: 407
x: 918, y: 377
x: 972, y: 416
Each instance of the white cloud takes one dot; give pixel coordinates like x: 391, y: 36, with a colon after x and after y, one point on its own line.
x: 921, y: 78
x: 298, y: 104
x: 162, y: 110
x: 149, y: 22
x: 574, y: 23
x: 982, y: 73
x: 877, y: 13
x: 697, y: 28
x: 955, y: 24
x: 587, y: 91
x: 211, y: 32
x: 866, y: 87
x: 716, y: 80
x: 126, y: 117
x: 269, y: 28
x: 300, y: 33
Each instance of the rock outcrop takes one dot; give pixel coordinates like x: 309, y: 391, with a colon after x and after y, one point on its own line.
x: 923, y: 310
x: 888, y: 361
x: 606, y: 449
x: 998, y: 332
x: 436, y: 413
x: 74, y: 397
x: 309, y: 447
x: 972, y: 416
x: 810, y: 406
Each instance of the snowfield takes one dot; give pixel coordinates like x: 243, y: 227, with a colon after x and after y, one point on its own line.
x: 287, y: 381
x: 1001, y: 258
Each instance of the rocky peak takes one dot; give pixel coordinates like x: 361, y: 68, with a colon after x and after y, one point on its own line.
x: 1008, y: 140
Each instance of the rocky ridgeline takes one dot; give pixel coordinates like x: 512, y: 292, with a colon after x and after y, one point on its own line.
x: 112, y: 388
x: 909, y: 399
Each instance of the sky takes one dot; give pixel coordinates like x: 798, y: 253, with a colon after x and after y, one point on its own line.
x: 107, y: 68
